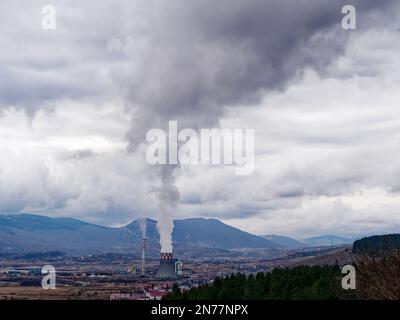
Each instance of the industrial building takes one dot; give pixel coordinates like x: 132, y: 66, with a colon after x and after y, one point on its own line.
x: 166, y: 270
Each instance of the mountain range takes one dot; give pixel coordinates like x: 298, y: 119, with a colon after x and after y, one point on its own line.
x: 284, y: 241
x: 26, y: 233
x: 319, y: 241
x: 327, y: 240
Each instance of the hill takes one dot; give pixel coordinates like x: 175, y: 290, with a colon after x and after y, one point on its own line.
x: 327, y: 240
x: 25, y: 233
x: 285, y: 242
x: 377, y: 245
x: 213, y: 233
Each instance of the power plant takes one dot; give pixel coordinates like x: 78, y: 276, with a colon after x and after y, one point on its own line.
x: 166, y: 270
x: 169, y: 267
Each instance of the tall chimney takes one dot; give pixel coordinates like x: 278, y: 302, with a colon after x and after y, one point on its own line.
x: 143, y: 256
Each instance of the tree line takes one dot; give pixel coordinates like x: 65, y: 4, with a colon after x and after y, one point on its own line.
x: 377, y: 245
x: 302, y: 282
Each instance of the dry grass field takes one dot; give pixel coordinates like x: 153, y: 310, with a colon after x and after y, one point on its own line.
x: 61, y: 293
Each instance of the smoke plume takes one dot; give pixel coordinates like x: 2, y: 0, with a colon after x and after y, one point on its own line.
x: 190, y: 60
x: 168, y: 197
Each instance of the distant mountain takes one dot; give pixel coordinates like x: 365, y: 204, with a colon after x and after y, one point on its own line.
x: 327, y: 240
x: 25, y: 233
x: 32, y: 233
x: 213, y: 233
x: 285, y: 242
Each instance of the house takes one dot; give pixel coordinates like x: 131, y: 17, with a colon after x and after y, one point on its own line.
x: 153, y: 294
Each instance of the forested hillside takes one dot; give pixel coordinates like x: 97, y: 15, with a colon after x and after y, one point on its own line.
x: 377, y: 245
x: 301, y: 282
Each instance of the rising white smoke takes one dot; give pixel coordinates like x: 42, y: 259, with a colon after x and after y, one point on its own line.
x: 168, y: 197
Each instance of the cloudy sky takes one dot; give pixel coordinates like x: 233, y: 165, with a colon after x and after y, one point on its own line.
x: 76, y: 103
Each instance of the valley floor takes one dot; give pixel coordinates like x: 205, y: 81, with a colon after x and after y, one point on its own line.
x: 91, y: 278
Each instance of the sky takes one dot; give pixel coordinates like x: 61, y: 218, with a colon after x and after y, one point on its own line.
x: 76, y: 103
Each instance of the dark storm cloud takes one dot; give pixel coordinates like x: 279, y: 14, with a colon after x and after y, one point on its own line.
x: 206, y: 55
x: 200, y: 57
x: 32, y: 89
x: 178, y: 59
x: 40, y: 67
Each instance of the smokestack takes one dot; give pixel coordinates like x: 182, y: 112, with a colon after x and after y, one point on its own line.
x: 166, y: 269
x: 143, y: 257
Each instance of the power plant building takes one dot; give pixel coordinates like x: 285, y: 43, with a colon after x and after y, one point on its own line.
x: 166, y: 270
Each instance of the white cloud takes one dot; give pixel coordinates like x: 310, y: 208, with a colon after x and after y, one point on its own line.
x: 326, y: 146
